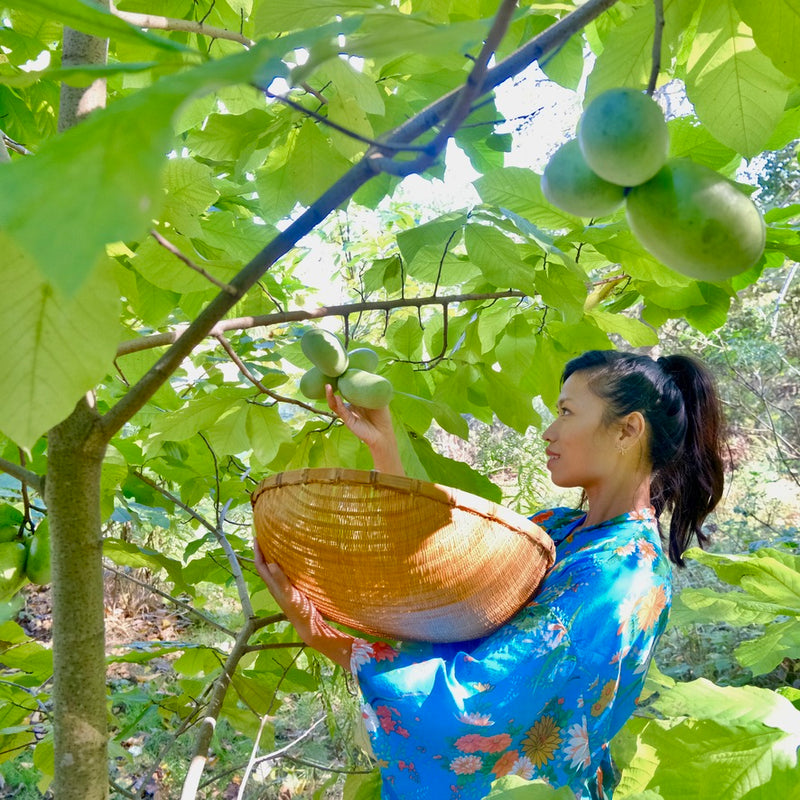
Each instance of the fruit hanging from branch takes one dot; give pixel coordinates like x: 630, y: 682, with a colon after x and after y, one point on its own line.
x: 570, y: 184
x: 696, y: 221
x: 623, y: 136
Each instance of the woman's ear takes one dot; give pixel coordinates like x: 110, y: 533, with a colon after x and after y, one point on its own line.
x: 632, y: 430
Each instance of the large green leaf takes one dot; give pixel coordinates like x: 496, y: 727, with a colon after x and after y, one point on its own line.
x: 780, y: 640
x: 736, y: 90
x: 736, y: 608
x: 777, y: 32
x: 766, y: 574
x: 705, y: 758
x: 730, y: 705
x: 53, y: 347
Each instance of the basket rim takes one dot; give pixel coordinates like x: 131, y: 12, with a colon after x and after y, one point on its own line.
x: 403, y: 484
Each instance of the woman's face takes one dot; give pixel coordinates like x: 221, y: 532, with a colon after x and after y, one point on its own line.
x: 582, y: 449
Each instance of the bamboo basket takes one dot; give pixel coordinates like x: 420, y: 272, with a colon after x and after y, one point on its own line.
x: 397, y: 557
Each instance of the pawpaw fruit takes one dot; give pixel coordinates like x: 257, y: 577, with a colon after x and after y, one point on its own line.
x: 363, y: 358
x: 623, y: 136
x: 365, y: 389
x: 8, y: 533
x: 37, y: 562
x: 312, y: 384
x: 695, y: 221
x: 569, y: 184
x: 12, y: 568
x: 324, y: 350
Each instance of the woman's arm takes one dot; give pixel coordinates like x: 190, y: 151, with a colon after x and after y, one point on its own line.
x: 303, y: 615
x: 374, y: 427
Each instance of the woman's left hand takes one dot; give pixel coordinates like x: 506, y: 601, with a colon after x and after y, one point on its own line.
x: 302, y: 613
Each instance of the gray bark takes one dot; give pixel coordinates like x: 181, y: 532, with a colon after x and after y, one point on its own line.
x: 72, y: 494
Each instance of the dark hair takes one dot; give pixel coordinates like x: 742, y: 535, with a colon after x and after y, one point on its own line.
x: 678, y: 399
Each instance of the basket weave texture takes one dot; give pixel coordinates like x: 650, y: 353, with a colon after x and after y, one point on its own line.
x: 397, y: 557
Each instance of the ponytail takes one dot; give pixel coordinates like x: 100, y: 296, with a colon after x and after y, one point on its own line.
x: 691, y: 487
x: 678, y: 399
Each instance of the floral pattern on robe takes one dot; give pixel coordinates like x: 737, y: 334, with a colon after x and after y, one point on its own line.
x: 542, y: 696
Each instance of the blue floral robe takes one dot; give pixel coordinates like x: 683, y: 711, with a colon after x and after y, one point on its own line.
x: 543, y: 695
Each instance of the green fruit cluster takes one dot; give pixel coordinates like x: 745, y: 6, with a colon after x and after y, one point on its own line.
x: 351, y: 373
x: 25, y: 560
x: 686, y: 215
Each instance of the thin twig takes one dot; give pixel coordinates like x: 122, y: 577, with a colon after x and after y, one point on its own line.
x: 375, y: 143
x: 172, y: 599
x: 178, y: 502
x: 36, y: 482
x: 260, y: 386
x: 5, y: 157
x: 157, y: 22
x: 658, y: 31
x: 167, y: 245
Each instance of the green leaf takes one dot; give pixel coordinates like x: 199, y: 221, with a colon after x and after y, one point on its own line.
x: 362, y: 787
x: 134, y: 135
x: 562, y: 289
x: 736, y: 91
x: 200, y: 414
x: 735, y: 608
x: 730, y: 705
x: 93, y: 18
x: 635, y: 332
x: 313, y: 165
x: 278, y: 16
x: 456, y: 474
x: 53, y: 348
x: 498, y: 258
x: 404, y: 337
x: 764, y: 574
x: 129, y: 554
x: 778, y: 641
x: 627, y: 55
x: 512, y: 787
x: 705, y: 758
x: 190, y: 192
x: 776, y: 33
x: 689, y: 139
x: 267, y: 432
x: 511, y: 405
x: 519, y: 190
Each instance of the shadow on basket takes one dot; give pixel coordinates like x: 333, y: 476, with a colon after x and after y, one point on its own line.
x: 397, y: 557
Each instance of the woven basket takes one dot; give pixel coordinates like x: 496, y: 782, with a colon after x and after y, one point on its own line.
x: 398, y: 557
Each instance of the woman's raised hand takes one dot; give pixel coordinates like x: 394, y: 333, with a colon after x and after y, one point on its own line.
x: 374, y: 427
x: 302, y: 613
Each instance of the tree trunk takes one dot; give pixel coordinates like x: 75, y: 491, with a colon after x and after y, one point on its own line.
x: 77, y: 101
x: 72, y: 493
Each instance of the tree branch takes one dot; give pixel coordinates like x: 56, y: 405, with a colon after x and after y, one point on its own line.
x: 340, y: 192
x: 25, y: 476
x: 260, y: 386
x: 658, y: 30
x: 186, y: 606
x: 192, y: 781
x: 462, y: 106
x: 167, y: 245
x: 157, y: 22
x: 265, y: 320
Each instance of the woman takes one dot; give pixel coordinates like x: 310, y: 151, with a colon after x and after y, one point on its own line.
x: 542, y: 696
